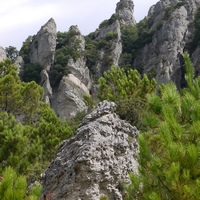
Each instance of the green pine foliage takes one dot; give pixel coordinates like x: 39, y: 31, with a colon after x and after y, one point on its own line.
x: 128, y: 90
x: 169, y: 156
x: 16, y: 97
x: 13, y: 187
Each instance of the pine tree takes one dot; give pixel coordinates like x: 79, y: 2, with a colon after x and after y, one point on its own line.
x: 169, y: 159
x: 128, y: 90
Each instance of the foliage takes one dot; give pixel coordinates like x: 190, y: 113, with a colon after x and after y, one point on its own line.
x: 51, y: 130
x: 31, y: 72
x: 24, y: 51
x: 93, y: 55
x: 67, y: 47
x: 15, y: 96
x: 108, y: 22
x: 170, y: 144
x: 12, y: 53
x: 127, y: 90
x: 13, y: 187
x: 104, y: 197
x: 133, y: 39
x: 29, y: 146
x: 18, y: 148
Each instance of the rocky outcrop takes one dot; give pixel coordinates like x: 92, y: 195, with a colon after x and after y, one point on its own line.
x: 115, y: 50
x: 43, y: 47
x: 96, y: 160
x: 170, y: 20
x: 68, y: 98
x: 45, y: 83
x: 2, y: 54
x: 124, y: 11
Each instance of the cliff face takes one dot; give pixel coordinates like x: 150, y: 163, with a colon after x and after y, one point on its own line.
x: 171, y: 22
x: 94, y: 162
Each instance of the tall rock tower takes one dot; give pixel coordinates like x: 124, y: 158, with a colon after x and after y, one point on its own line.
x: 124, y: 11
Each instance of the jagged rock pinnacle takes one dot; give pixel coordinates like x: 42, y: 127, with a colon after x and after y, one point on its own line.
x: 124, y: 11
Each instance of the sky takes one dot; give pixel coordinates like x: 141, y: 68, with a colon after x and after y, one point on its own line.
x: 22, y: 18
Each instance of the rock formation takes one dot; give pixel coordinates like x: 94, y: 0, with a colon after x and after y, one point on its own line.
x: 2, y: 54
x: 67, y: 99
x: 170, y: 20
x: 96, y: 160
x: 116, y: 48
x: 124, y: 11
x: 43, y: 46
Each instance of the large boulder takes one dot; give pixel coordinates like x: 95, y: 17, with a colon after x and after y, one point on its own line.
x: 96, y: 160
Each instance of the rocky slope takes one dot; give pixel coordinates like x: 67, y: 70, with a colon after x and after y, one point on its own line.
x: 171, y: 21
x: 96, y: 160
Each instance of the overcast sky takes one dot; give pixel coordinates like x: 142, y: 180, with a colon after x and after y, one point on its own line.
x: 21, y: 18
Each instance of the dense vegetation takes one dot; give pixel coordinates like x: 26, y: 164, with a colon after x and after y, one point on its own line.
x: 128, y: 90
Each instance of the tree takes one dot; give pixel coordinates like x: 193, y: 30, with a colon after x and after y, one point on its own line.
x: 19, y: 148
x: 12, y: 53
x: 128, y: 90
x: 169, y: 158
x: 16, y: 97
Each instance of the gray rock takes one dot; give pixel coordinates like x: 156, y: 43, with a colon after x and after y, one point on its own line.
x: 43, y: 47
x: 68, y: 98
x: 171, y: 34
x: 116, y: 48
x: 46, y: 85
x: 79, y: 69
x: 96, y: 160
x: 19, y: 63
x: 124, y: 11
x: 2, y: 54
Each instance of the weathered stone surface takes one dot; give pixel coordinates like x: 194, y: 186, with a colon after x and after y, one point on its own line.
x: 79, y: 69
x: 172, y: 32
x: 68, y: 98
x: 2, y: 54
x: 19, y: 63
x: 116, y: 48
x: 43, y: 47
x: 124, y: 11
x: 46, y: 85
x: 94, y: 162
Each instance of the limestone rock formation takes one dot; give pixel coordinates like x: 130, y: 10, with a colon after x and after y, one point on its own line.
x: 2, y: 54
x: 170, y: 20
x: 124, y: 11
x: 45, y: 83
x: 43, y: 47
x: 68, y: 98
x: 116, y: 48
x: 94, y: 162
